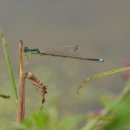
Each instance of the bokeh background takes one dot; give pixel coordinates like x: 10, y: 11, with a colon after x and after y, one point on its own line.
x: 100, y: 29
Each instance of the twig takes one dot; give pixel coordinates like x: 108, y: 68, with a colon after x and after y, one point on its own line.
x: 21, y: 98
x: 40, y: 87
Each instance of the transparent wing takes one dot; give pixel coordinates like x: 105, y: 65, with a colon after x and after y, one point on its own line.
x: 66, y: 50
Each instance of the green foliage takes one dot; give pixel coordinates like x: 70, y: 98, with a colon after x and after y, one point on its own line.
x: 115, y: 116
x: 121, y: 117
x: 47, y: 120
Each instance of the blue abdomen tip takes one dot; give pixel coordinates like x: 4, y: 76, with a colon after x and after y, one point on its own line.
x: 101, y: 60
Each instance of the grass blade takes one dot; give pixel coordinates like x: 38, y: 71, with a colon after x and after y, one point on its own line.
x: 85, y: 82
x: 8, y: 62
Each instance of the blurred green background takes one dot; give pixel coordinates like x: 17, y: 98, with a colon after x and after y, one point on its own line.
x: 102, y: 29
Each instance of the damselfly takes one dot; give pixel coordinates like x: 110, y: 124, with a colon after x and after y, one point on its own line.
x: 65, y: 53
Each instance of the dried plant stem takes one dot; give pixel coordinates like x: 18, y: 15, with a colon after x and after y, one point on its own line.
x: 21, y: 97
x: 40, y: 87
x: 8, y: 62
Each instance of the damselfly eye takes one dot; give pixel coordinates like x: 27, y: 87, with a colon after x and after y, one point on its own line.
x: 26, y: 49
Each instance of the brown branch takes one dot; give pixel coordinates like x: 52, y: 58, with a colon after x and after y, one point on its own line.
x: 40, y: 87
x: 21, y: 97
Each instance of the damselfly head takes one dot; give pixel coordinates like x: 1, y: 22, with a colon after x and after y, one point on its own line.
x: 26, y: 49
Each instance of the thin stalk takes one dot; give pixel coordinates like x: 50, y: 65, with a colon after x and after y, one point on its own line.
x: 9, y: 66
x: 102, y: 74
x: 21, y: 97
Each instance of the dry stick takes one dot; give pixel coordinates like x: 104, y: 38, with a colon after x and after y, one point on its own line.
x: 21, y: 97
x: 40, y: 87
